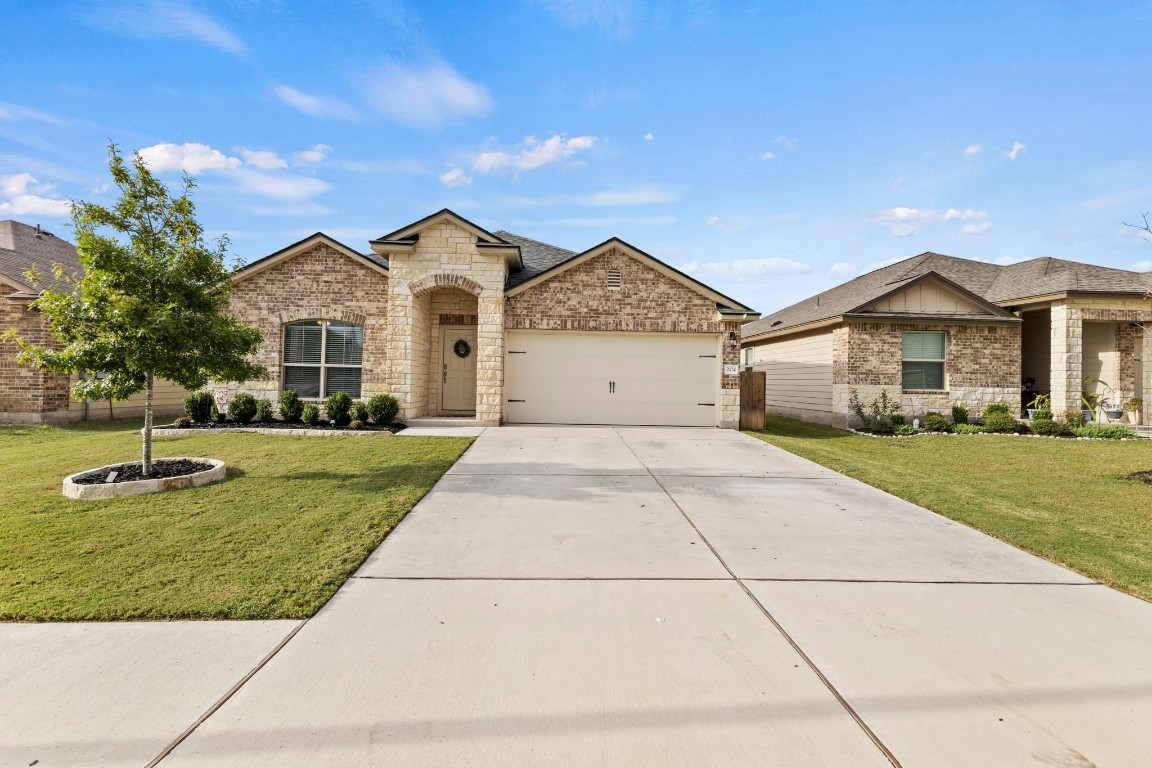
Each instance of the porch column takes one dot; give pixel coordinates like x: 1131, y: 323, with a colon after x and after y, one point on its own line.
x: 1067, y: 357
x: 1144, y: 386
x: 401, y: 320
x: 490, y: 359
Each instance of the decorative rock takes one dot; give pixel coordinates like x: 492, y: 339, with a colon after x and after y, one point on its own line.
x: 74, y: 490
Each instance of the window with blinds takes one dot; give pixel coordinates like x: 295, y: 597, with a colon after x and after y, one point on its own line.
x: 924, y: 358
x: 322, y: 357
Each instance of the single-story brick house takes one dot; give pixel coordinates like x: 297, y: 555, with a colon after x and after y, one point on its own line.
x: 29, y: 395
x: 454, y: 320
x: 937, y: 330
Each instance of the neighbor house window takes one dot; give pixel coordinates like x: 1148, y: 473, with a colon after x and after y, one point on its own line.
x: 322, y: 357
x: 923, y: 360
x: 747, y: 358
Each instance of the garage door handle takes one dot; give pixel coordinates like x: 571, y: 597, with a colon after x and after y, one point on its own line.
x: 611, y: 387
x: 516, y: 401
x: 710, y: 405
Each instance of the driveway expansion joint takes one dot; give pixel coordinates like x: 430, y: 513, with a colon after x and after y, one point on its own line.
x: 768, y: 615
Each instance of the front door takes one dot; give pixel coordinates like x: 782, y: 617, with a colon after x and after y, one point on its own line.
x: 458, y: 369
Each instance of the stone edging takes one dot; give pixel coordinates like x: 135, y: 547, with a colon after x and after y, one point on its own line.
x: 178, y: 432
x: 1134, y: 438
x: 75, y: 490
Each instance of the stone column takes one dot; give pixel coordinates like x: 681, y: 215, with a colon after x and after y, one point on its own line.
x: 490, y: 359
x: 729, y: 385
x: 399, y: 335
x: 1067, y: 357
x: 1144, y: 344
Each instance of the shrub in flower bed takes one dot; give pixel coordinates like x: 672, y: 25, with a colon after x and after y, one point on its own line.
x: 959, y: 414
x: 383, y: 409
x: 291, y: 408
x: 1000, y: 422
x: 310, y: 415
x: 336, y: 408
x: 356, y: 424
x: 996, y: 408
x: 906, y: 429
x: 242, y: 408
x: 200, y: 407
x: 1047, y: 427
x: 182, y: 421
x: 359, y: 413
x: 264, y: 410
x: 967, y: 429
x: 1074, y: 418
x: 935, y: 422
x: 1107, y: 431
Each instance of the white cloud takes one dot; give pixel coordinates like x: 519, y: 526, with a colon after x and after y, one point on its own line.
x: 976, y: 229
x: 787, y: 143
x: 905, y: 222
x: 312, y: 156
x: 263, y: 159
x: 280, y: 186
x: 768, y: 156
x: 533, y: 154
x: 25, y: 196
x: 15, y: 113
x: 316, y: 106
x: 1144, y: 265
x: 968, y: 215
x: 163, y: 19
x: 904, y: 230
x: 841, y: 269
x: 1001, y: 260
x: 1017, y: 148
x: 721, y: 223
x: 455, y: 178
x: 190, y: 157
x: 612, y: 17
x: 424, y: 97
x: 741, y: 270
x: 649, y: 137
x: 972, y: 150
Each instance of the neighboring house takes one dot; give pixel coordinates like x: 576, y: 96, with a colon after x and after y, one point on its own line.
x: 936, y: 330
x: 29, y: 394
x: 454, y: 320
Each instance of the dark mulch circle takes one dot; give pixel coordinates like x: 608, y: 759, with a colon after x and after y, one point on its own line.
x: 394, y: 427
x: 1144, y: 476
x: 126, y: 473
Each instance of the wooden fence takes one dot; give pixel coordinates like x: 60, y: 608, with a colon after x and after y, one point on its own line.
x: 752, y: 387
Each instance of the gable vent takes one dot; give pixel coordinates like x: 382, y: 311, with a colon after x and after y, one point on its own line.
x: 613, y: 279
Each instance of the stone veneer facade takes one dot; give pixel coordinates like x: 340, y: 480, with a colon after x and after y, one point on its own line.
x: 28, y: 394
x: 445, y: 280
x: 982, y: 367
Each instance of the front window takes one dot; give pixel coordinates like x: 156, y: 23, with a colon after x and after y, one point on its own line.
x: 747, y: 358
x: 924, y: 360
x: 322, y: 357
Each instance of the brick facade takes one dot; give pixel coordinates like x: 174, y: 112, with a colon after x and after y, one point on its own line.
x: 28, y: 394
x: 319, y: 284
x: 983, y: 366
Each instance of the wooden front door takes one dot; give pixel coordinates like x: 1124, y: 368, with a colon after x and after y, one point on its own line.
x: 458, y: 369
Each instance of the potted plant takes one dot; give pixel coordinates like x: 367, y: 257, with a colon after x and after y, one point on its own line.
x: 1040, y: 403
x: 1134, y: 405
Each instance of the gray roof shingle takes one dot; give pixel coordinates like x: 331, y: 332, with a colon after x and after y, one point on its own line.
x: 538, y: 257
x: 992, y: 282
x: 23, y: 246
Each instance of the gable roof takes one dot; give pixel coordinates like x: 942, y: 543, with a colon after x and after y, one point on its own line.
x: 988, y: 284
x: 23, y: 246
x: 559, y: 266
x: 404, y: 239
x: 372, y: 261
x: 538, y: 258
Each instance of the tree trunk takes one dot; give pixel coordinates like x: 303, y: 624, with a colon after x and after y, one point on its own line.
x: 147, y: 462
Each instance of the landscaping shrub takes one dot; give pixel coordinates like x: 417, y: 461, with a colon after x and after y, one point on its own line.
x: 356, y: 424
x: 1107, y: 431
x: 264, y: 410
x: 1047, y: 427
x: 906, y: 429
x: 1074, y: 418
x: 1042, y: 414
x: 959, y: 414
x: 359, y: 413
x: 336, y: 408
x: 967, y: 429
x: 310, y: 415
x: 1000, y: 422
x: 883, y: 412
x: 182, y: 421
x: 898, y: 420
x: 383, y: 408
x: 242, y: 408
x: 996, y: 408
x: 935, y: 422
x: 291, y: 409
x: 200, y: 406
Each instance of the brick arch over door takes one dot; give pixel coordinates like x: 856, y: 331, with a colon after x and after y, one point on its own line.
x: 442, y: 280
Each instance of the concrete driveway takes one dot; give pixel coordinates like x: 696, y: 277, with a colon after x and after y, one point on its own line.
x: 683, y: 597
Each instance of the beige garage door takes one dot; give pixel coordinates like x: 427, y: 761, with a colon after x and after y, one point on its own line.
x: 612, y: 378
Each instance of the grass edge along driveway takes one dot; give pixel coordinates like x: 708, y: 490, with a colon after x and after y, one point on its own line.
x: 1065, y: 500
x: 294, y: 519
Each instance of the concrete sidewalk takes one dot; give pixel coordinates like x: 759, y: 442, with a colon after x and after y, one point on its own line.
x: 680, y: 597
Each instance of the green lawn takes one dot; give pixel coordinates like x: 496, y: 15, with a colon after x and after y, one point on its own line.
x: 294, y: 518
x: 1065, y: 500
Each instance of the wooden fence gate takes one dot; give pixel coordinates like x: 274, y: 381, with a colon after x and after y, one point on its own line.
x: 752, y: 385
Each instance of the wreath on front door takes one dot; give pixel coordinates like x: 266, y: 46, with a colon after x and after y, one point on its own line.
x: 461, y: 348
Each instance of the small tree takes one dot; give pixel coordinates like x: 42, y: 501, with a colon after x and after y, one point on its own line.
x: 150, y: 303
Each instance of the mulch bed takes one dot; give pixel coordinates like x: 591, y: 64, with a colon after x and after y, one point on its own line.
x: 126, y: 473
x: 394, y: 427
x: 1144, y: 476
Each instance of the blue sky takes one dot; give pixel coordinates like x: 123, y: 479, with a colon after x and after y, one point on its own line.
x: 769, y: 149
